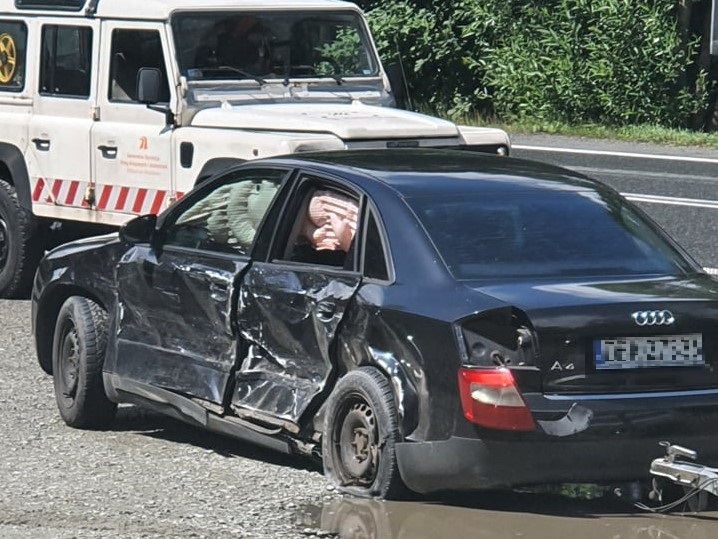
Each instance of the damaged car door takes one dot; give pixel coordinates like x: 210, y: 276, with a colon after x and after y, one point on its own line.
x: 292, y: 305
x: 177, y: 294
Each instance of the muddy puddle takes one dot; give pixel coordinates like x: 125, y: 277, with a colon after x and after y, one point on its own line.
x: 501, y: 516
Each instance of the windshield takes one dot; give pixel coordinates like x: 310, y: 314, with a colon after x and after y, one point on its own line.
x: 261, y: 45
x: 486, y: 235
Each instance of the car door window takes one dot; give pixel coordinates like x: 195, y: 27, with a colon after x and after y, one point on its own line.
x: 132, y: 50
x: 323, y: 227
x: 13, y: 38
x: 375, y: 260
x: 227, y: 217
x: 66, y: 60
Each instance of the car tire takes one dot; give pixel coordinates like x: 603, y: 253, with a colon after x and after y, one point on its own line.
x: 361, y: 430
x: 78, y: 352
x: 20, y: 245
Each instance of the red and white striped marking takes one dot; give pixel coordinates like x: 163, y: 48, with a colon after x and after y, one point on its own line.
x: 59, y: 192
x: 114, y: 198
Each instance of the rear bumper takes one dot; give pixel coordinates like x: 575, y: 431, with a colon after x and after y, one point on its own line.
x: 473, y: 464
x: 579, y: 439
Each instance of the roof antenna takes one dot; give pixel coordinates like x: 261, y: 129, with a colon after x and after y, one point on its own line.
x: 409, y: 101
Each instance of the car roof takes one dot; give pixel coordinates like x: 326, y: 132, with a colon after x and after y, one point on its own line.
x: 416, y: 172
x: 162, y: 9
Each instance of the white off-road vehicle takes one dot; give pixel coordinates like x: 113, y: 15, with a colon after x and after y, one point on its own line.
x: 114, y: 108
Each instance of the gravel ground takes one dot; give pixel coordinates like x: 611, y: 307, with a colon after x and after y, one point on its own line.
x: 146, y: 477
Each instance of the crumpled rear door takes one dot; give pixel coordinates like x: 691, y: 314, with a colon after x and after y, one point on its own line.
x: 288, y: 318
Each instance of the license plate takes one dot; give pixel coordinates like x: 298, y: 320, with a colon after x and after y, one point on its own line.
x: 648, y: 352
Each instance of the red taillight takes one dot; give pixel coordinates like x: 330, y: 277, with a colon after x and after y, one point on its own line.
x: 491, y: 399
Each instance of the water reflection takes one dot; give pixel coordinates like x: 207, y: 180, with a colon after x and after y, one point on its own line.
x: 500, y: 516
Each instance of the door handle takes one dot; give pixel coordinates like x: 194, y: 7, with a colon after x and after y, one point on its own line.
x: 108, y: 152
x: 42, y: 144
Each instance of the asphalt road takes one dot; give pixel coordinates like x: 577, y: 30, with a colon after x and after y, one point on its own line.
x: 677, y: 187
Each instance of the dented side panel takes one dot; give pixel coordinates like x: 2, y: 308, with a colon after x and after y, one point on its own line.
x: 417, y: 354
x: 288, y: 319
x: 174, y: 320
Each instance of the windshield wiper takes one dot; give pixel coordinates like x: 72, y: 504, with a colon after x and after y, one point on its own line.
x: 245, y: 74
x: 338, y: 78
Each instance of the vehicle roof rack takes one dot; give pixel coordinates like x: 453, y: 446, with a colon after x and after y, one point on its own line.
x: 53, y: 5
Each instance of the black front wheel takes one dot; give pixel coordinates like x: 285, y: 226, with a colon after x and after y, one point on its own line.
x: 20, y: 245
x: 360, y: 433
x: 78, y: 353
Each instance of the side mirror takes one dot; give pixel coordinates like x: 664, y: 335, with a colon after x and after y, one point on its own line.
x: 149, y: 80
x: 395, y: 74
x: 138, y: 230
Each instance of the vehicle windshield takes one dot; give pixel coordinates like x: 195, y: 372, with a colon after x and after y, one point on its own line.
x: 544, y: 234
x: 262, y: 45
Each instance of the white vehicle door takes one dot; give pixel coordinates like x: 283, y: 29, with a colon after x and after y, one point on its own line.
x: 62, y: 118
x: 131, y: 144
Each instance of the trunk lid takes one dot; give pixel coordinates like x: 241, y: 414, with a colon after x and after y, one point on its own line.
x: 582, y: 328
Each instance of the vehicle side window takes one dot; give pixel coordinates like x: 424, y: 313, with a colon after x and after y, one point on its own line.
x: 323, y: 228
x: 66, y: 60
x: 132, y: 50
x: 13, y: 41
x: 375, y: 265
x: 226, y: 219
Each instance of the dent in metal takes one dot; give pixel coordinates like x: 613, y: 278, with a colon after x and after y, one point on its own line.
x: 577, y: 419
x: 390, y: 365
x: 373, y: 336
x: 176, y: 316
x: 288, y: 318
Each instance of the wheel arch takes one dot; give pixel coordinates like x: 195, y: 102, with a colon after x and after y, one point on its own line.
x: 14, y: 170
x: 47, y: 309
x: 404, y: 391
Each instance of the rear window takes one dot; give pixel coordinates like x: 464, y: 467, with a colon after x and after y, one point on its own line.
x: 13, y: 37
x: 543, y: 234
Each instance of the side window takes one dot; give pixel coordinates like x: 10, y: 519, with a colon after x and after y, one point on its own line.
x: 226, y: 219
x: 13, y: 41
x: 323, y: 229
x: 66, y: 60
x: 375, y: 265
x: 131, y: 50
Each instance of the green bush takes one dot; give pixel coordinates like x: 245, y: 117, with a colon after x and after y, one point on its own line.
x: 614, y: 62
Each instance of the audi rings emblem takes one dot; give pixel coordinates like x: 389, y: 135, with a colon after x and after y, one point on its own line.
x: 653, y: 318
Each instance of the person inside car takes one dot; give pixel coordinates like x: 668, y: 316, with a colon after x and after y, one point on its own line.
x: 244, y: 45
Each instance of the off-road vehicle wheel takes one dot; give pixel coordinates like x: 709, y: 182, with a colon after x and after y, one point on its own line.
x: 20, y: 245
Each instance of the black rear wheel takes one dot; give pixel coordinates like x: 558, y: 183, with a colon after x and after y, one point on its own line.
x: 78, y: 353
x: 360, y: 432
x: 21, y: 245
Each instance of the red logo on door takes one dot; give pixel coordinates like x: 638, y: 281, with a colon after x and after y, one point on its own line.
x: 143, y: 143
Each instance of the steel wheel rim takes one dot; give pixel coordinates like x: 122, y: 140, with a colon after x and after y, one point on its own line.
x: 4, y: 243
x: 356, y: 442
x: 69, y: 362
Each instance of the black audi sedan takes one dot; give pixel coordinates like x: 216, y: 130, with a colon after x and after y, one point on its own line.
x: 437, y: 320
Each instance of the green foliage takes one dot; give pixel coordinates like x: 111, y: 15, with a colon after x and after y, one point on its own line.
x: 613, y: 62
x: 342, y: 55
x: 428, y: 48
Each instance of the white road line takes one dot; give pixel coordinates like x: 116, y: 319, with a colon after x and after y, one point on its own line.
x: 616, y: 154
x: 674, y: 201
x: 711, y: 271
x: 596, y: 171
